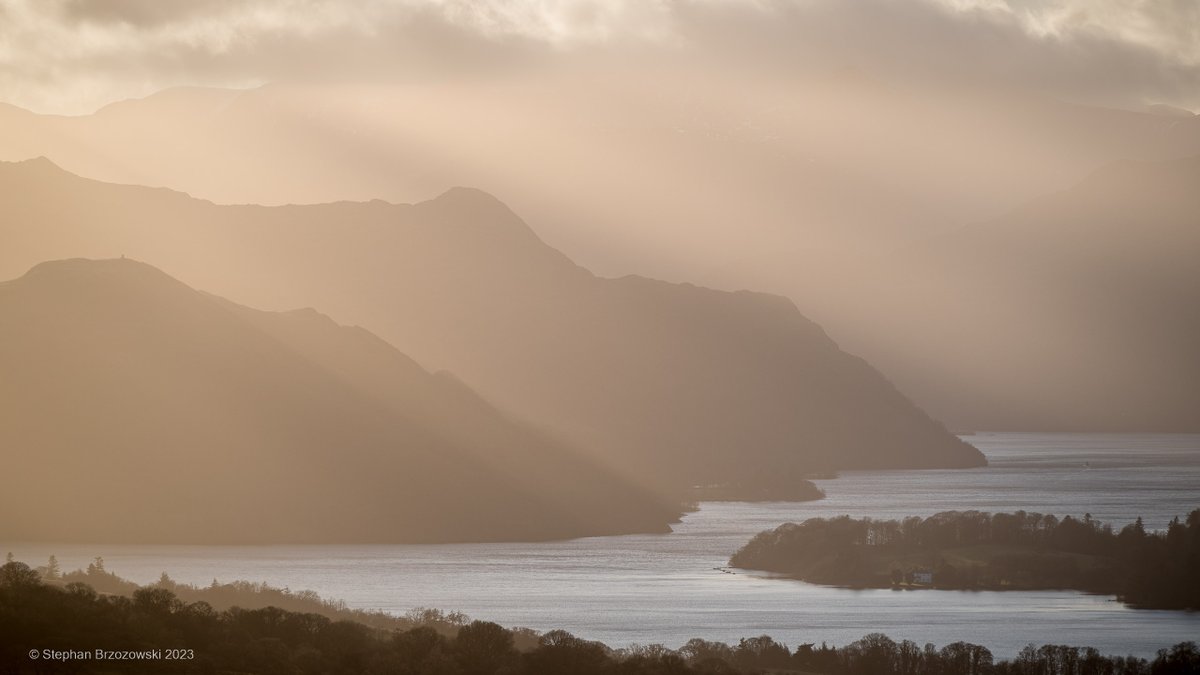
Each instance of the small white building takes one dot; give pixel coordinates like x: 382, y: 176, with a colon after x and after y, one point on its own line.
x: 922, y: 577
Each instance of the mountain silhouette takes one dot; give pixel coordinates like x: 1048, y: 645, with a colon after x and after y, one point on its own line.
x: 669, y: 384
x: 137, y: 409
x: 834, y: 194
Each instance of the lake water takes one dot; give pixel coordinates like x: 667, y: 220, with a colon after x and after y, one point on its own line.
x: 665, y: 588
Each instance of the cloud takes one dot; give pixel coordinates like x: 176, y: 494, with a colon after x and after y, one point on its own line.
x: 141, y: 13
x: 74, y: 55
x: 1135, y: 53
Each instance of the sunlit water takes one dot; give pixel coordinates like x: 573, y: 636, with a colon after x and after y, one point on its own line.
x: 666, y: 588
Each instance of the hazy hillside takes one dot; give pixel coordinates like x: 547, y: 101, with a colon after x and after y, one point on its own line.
x: 729, y: 181
x: 1087, y: 300
x: 133, y: 408
x: 668, y: 384
x: 827, y: 189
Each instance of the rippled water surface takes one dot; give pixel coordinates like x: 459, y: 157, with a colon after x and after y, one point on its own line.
x: 665, y: 588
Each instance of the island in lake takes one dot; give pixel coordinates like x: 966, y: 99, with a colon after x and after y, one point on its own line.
x: 1002, y: 551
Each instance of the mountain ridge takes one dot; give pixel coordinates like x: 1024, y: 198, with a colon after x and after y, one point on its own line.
x: 668, y: 384
x: 148, y: 412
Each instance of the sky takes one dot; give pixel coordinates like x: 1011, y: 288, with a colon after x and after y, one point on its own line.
x: 74, y: 56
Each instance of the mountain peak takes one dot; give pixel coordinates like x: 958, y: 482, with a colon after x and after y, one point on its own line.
x: 75, y: 274
x: 39, y: 163
x: 472, y: 205
x: 68, y: 266
x: 40, y: 168
x: 483, y: 216
x: 470, y: 195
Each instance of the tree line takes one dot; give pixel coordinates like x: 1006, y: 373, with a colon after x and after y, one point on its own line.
x: 247, y: 595
x: 36, y: 615
x: 1157, y: 569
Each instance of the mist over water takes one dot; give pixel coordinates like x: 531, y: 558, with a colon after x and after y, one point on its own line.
x: 666, y: 588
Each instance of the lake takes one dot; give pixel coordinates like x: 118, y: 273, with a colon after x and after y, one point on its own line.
x: 666, y: 588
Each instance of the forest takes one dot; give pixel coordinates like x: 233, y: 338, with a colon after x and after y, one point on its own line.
x: 50, y: 619
x: 971, y: 549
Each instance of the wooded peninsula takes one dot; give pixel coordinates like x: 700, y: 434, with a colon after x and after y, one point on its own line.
x: 1002, y: 551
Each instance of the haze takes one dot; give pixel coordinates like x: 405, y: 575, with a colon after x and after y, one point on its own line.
x: 818, y: 150
x: 702, y: 325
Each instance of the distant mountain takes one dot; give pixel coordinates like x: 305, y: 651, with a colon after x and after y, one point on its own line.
x: 825, y: 189
x: 667, y: 384
x: 804, y: 161
x: 1077, y: 311
x: 135, y: 409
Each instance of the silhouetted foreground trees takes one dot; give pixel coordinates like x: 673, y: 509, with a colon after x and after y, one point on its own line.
x: 970, y: 549
x: 36, y: 616
x: 249, y: 595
